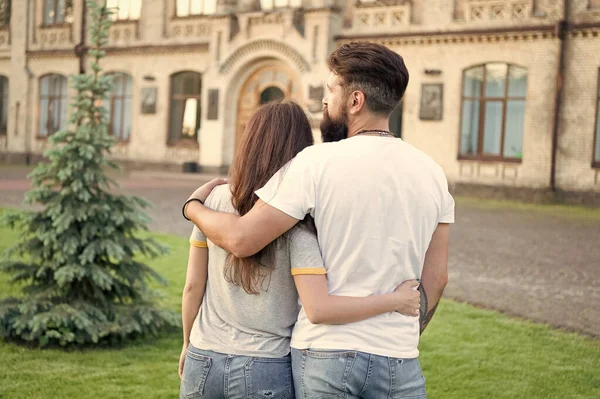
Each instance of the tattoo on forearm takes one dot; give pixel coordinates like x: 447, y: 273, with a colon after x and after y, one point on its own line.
x: 428, y: 317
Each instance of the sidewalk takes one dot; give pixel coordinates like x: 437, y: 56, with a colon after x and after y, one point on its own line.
x: 14, y: 177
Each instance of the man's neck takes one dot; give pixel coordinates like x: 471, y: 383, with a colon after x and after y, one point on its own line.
x: 373, y: 123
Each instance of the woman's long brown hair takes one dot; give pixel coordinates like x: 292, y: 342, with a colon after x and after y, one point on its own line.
x: 273, y: 136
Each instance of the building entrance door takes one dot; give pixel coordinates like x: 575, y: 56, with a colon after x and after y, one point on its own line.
x: 269, y: 83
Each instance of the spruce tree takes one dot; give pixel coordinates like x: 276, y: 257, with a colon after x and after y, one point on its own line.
x: 80, y: 259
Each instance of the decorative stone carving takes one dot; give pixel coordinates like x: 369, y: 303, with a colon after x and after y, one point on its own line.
x: 496, y: 10
x: 55, y: 37
x: 381, y: 3
x: 266, y: 45
x: 266, y: 19
x: 379, y: 17
x: 190, y: 28
x: 123, y: 33
x: 453, y: 38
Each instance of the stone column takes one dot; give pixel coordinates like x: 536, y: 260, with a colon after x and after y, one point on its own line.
x: 21, y: 115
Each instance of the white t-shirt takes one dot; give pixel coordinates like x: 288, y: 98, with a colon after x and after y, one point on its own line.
x: 376, y: 202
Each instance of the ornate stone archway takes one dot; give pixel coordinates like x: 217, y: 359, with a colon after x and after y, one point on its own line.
x: 274, y: 74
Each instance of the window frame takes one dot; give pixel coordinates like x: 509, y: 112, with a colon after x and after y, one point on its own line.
x: 116, y: 17
x: 483, y: 100
x: 60, y: 97
x: 4, y: 92
x: 275, y: 7
x: 5, y: 24
x: 122, y: 98
x: 54, y: 22
x: 190, y: 14
x: 596, y: 162
x: 184, y: 141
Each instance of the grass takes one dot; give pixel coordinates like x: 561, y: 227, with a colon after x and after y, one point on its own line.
x: 465, y: 353
x: 556, y: 210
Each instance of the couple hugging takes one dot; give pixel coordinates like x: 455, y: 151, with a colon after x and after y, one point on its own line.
x: 303, y: 271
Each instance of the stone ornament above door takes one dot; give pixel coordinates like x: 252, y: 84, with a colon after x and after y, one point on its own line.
x: 265, y: 46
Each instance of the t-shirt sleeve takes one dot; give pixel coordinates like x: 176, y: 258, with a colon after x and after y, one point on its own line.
x: 305, y: 255
x: 292, y: 188
x: 198, y: 239
x: 447, y: 215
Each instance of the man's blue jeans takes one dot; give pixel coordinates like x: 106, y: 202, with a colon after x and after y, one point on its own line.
x: 321, y: 374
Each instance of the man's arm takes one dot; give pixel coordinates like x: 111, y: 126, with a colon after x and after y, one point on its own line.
x: 289, y: 196
x: 242, y: 236
x: 435, y: 270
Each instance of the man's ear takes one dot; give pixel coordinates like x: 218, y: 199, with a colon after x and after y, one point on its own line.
x: 356, y: 102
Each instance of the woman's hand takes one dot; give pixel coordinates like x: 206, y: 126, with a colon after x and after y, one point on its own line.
x: 409, y: 298
x: 182, y: 361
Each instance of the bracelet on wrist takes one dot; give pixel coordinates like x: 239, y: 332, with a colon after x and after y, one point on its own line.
x: 185, y: 205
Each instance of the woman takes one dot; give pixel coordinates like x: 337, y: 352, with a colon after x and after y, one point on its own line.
x: 237, y: 324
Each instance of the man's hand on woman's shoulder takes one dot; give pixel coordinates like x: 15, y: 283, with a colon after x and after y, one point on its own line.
x: 204, y: 191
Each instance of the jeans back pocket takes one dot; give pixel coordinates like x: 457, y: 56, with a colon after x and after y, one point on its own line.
x: 195, y: 371
x: 325, y: 374
x: 268, y: 378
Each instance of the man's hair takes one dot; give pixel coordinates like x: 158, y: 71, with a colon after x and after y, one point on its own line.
x: 373, y: 69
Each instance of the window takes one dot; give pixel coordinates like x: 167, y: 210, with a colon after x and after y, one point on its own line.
x: 597, y: 136
x: 4, y: 12
x: 53, y: 104
x: 185, y: 107
x: 58, y: 12
x: 125, y: 9
x: 186, y: 8
x: 119, y: 107
x: 493, y: 112
x: 3, y: 105
x: 271, y: 4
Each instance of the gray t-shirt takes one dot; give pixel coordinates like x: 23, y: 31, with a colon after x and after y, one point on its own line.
x: 234, y: 322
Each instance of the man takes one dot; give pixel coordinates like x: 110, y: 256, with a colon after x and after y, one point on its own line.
x: 381, y: 208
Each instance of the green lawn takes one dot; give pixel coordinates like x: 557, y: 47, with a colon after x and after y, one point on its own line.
x: 465, y: 353
x: 576, y: 212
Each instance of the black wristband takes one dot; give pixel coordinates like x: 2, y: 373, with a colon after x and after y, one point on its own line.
x: 187, y: 202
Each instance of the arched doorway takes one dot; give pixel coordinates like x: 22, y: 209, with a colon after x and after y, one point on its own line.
x: 272, y: 93
x: 272, y: 82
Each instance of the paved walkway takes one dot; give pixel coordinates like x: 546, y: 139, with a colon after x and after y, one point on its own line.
x: 529, y: 264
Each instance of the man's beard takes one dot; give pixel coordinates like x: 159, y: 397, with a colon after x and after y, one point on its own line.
x: 333, y: 130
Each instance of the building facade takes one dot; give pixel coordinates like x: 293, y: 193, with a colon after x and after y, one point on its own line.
x: 503, y: 93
